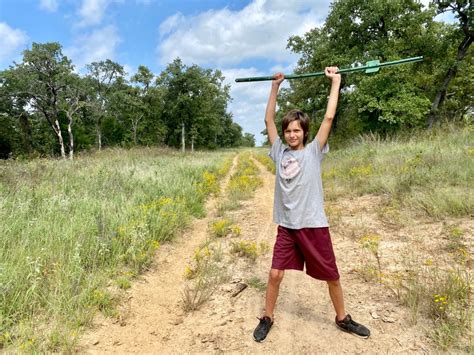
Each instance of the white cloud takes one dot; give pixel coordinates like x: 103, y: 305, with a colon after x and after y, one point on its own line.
x: 249, y: 100
x: 49, y: 5
x: 11, y: 41
x: 99, y: 45
x: 226, y: 37
x: 92, y: 11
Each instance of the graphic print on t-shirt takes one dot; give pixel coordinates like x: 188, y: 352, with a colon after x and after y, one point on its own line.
x: 290, y: 167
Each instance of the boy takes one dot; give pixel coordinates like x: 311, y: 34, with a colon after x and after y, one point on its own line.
x: 303, y: 235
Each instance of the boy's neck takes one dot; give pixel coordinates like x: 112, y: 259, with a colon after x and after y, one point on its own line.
x: 301, y: 147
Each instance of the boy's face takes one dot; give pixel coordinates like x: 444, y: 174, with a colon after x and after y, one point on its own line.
x: 294, y: 135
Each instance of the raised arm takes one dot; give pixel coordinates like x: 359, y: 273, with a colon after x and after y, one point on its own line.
x: 271, y: 108
x: 325, y: 128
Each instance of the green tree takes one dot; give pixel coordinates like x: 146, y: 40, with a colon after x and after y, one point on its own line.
x: 102, y: 77
x: 141, y: 101
x: 464, y: 35
x: 355, y: 32
x: 46, y: 80
x: 15, y: 126
x: 248, y: 140
x: 75, y: 99
x: 194, y: 104
x: 130, y: 108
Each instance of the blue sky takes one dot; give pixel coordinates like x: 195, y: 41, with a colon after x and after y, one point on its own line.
x: 239, y: 37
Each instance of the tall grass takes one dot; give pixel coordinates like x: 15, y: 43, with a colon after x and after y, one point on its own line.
x: 430, y: 172
x: 68, y: 228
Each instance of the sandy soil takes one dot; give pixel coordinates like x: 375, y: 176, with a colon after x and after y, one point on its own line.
x: 153, y: 320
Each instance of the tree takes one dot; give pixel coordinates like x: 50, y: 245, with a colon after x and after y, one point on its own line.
x: 355, y: 32
x: 464, y: 12
x: 102, y: 76
x: 140, y: 99
x: 248, y: 140
x: 130, y: 108
x: 73, y: 101
x: 185, y: 103
x: 16, y: 132
x: 45, y: 76
x: 195, y: 102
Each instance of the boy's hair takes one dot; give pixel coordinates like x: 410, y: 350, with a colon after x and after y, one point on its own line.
x: 296, y: 115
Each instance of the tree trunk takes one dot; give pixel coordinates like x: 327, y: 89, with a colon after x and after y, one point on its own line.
x: 99, y: 135
x: 71, y: 137
x: 135, y: 123
x: 26, y: 130
x: 192, y: 144
x: 134, y: 133
x: 441, y: 94
x: 57, y: 129
x: 182, y: 138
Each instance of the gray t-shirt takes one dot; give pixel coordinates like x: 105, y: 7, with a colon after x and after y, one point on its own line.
x: 298, y: 199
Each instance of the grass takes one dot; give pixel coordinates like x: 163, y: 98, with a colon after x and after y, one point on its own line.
x: 224, y: 227
x: 204, y: 276
x: 429, y: 172
x: 248, y: 249
x: 245, y: 180
x: 443, y: 297
x: 68, y: 228
x: 371, y: 270
x: 257, y: 283
x: 265, y: 160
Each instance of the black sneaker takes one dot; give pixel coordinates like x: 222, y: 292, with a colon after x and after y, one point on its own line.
x: 260, y: 333
x: 350, y: 326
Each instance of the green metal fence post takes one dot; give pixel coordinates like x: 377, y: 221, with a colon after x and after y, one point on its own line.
x: 370, y: 67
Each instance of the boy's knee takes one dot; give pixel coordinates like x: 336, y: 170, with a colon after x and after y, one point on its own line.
x: 334, y: 283
x: 276, y: 276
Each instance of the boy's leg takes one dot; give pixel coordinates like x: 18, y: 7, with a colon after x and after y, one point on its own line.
x: 344, y: 321
x: 273, y: 288
x: 337, y: 298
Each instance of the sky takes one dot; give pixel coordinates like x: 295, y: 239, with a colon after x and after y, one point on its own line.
x: 239, y: 37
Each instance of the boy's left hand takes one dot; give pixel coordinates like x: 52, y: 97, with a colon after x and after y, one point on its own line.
x: 330, y: 73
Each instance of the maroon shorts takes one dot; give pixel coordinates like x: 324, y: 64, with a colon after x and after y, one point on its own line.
x: 295, y: 248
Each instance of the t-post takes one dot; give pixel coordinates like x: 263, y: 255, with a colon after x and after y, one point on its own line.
x: 369, y: 67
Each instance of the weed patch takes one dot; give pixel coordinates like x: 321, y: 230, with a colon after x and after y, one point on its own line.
x: 443, y: 297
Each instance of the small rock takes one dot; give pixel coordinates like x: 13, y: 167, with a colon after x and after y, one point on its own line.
x: 178, y: 321
x: 374, y: 315
x: 388, y: 320
x: 96, y: 342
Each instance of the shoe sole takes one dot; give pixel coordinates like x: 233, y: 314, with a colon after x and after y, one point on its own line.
x: 352, y: 333
x: 259, y: 341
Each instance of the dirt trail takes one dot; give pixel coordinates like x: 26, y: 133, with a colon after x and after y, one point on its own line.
x: 304, y: 318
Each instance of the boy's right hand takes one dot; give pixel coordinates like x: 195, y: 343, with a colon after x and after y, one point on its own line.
x: 277, y: 79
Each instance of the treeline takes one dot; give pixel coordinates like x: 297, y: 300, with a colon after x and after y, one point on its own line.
x: 399, y: 98
x: 48, y: 109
